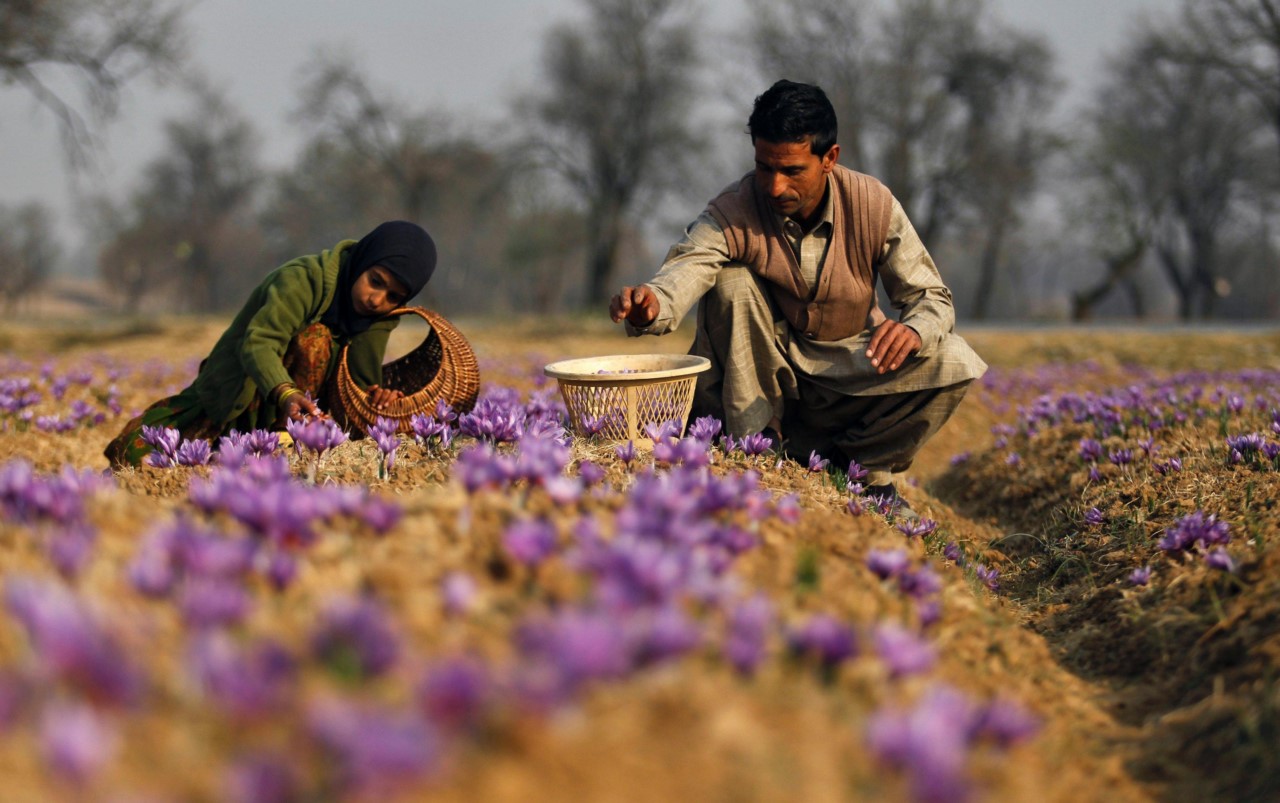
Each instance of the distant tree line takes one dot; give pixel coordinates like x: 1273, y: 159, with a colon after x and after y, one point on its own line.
x: 1159, y: 195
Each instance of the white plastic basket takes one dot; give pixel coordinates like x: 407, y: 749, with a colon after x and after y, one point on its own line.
x: 616, y: 397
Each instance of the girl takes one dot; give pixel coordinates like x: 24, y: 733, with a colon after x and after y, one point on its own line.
x: 279, y: 351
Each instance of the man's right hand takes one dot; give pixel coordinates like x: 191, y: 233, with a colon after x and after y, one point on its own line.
x: 639, y: 305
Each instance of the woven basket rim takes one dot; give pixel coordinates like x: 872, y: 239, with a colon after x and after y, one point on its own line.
x: 615, y: 368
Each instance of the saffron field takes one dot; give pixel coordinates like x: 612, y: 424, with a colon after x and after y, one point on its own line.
x: 488, y: 609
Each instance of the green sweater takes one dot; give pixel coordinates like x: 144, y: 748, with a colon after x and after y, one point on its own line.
x: 248, y: 358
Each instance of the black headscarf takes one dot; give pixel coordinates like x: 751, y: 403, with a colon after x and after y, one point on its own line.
x: 401, y: 247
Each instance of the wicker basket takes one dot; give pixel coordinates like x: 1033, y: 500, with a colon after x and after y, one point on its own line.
x: 616, y: 397
x: 443, y: 366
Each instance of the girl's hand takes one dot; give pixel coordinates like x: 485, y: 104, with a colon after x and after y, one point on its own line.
x: 381, y: 397
x: 298, y: 407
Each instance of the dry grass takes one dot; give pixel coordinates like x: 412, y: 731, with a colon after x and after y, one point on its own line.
x: 1131, y: 686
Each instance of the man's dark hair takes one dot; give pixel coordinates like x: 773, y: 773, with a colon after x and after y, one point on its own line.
x: 792, y: 112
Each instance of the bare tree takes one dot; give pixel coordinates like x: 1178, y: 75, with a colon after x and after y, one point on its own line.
x: 1177, y: 152
x: 615, y: 119
x: 373, y: 157
x: 1241, y: 39
x: 28, y: 252
x: 192, y: 218
x: 935, y: 97
x: 98, y: 45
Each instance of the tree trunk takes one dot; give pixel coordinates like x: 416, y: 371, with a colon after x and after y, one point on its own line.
x: 1118, y: 269
x: 604, y: 231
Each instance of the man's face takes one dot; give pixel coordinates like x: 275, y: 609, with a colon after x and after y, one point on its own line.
x: 376, y: 292
x: 792, y: 177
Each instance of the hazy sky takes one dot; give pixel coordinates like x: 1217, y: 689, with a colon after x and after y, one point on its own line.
x: 469, y: 58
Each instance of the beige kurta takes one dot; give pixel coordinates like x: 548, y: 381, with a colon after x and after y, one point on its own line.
x: 907, y: 273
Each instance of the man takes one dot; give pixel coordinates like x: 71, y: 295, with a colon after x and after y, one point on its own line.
x: 783, y: 266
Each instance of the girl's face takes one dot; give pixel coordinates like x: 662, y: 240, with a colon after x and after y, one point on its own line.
x: 376, y: 292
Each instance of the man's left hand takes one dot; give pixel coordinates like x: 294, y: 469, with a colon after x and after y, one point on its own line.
x: 891, y: 344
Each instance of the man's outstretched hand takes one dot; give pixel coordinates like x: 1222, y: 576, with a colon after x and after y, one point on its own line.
x: 638, y: 305
x: 891, y: 344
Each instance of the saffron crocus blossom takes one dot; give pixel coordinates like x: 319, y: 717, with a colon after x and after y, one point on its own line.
x: 459, y: 592
x: 1140, y: 576
x: 251, y: 681
x: 164, y: 442
x: 953, y: 553
x: 69, y: 643
x: 662, y: 634
x: 530, y: 542
x: 481, y: 467
x: 193, y: 453
x: 263, y: 778
x: 209, y: 602
x: 1090, y: 450
x: 626, y: 452
x: 887, y: 563
x: 747, y: 628
x: 917, y: 528
x: 686, y: 451
x: 817, y: 462
x: 990, y: 576
x: 492, y: 421
x: 386, y: 435
x: 920, y: 584
x: 455, y: 693
x: 318, y: 435
x: 1219, y: 558
x: 960, y: 458
x: 375, y: 751
x: 705, y: 429
x: 930, y: 742
x: 76, y: 741
x: 755, y: 444
x: 824, y: 637
x: 355, y: 639
x: 576, y: 647
x: 70, y: 549
x: 1195, y: 529
x: 1094, y: 517
x: 856, y: 472
x: 903, y: 652
x: 662, y: 430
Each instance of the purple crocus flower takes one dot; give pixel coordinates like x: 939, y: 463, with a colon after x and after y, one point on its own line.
x: 262, y: 442
x: 960, y: 458
x: 1219, y: 558
x: 626, y: 452
x: 531, y: 541
x: 755, y: 444
x: 318, y: 435
x: 459, y: 591
x: 903, y: 652
x: 887, y: 563
x: 747, y: 632
x: 263, y: 778
x: 1195, y: 528
x: 920, y: 584
x: 69, y: 643
x: 251, y: 681
x: 706, y: 428
x: 386, y: 435
x: 208, y: 602
x: 824, y: 637
x: 374, y: 750
x: 953, y: 553
x: 930, y: 742
x: 1090, y: 450
x: 1120, y: 457
x: 989, y: 575
x: 817, y: 462
x: 856, y: 472
x: 1094, y: 517
x: 354, y: 638
x: 455, y: 693
x: 1140, y: 576
x: 75, y: 741
x: 163, y: 440
x: 662, y: 430
x: 917, y: 528
x: 195, y: 452
x: 1005, y: 723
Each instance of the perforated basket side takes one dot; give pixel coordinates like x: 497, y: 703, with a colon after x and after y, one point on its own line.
x: 621, y: 410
